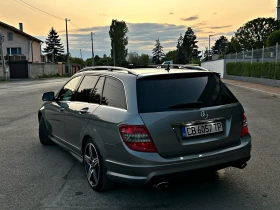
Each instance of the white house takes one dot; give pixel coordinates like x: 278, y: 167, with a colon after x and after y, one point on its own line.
x: 19, y: 46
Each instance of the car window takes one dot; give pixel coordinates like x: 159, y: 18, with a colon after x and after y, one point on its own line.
x: 86, y: 87
x: 67, y: 92
x: 97, y: 92
x: 114, y: 94
x: 162, y: 94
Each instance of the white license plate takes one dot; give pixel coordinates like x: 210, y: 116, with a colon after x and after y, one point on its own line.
x: 203, y: 129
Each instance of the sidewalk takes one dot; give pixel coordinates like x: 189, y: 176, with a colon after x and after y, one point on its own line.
x: 273, y: 91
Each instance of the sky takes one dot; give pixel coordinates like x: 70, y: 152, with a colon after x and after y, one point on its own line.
x: 147, y: 20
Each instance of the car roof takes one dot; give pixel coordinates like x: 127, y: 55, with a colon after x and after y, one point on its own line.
x: 140, y: 72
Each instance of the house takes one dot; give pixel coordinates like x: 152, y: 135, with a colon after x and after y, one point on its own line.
x: 19, y: 48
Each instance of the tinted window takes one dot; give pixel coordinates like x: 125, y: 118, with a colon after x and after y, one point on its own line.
x: 67, y: 92
x: 97, y: 92
x: 113, y: 94
x: 85, y: 88
x: 157, y: 95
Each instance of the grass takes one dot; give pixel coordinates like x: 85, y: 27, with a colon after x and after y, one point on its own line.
x: 52, y: 76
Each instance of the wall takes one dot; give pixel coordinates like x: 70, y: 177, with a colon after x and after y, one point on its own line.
x: 216, y: 66
x: 36, y: 49
x: 40, y: 69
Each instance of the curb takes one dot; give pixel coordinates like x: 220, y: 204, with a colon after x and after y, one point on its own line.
x: 255, y: 90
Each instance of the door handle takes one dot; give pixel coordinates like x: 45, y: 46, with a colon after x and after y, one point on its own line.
x: 83, y: 110
x: 61, y: 109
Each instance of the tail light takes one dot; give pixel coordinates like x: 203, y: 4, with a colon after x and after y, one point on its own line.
x: 245, y: 129
x: 137, y: 138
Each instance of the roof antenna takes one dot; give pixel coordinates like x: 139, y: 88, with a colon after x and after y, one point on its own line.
x: 167, y: 68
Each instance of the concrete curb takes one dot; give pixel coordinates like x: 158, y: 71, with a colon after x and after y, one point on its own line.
x: 255, y: 90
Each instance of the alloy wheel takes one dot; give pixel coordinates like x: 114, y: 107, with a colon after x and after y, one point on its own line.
x: 91, y: 164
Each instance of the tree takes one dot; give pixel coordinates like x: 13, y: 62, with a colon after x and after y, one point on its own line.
x: 181, y: 54
x: 144, y: 60
x: 119, y: 41
x: 189, y: 46
x: 221, y: 46
x: 254, y: 33
x: 171, y: 56
x: 158, y: 53
x: 54, y: 48
x: 273, y: 39
x: 132, y: 58
x: 74, y: 60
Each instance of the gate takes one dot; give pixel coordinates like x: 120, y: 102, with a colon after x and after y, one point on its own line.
x: 18, y: 69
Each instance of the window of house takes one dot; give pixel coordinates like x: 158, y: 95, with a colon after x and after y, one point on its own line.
x: 113, y: 94
x: 14, y: 51
x: 10, y: 36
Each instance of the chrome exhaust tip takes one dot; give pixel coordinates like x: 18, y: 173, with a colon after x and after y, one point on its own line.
x: 161, y: 185
x: 241, y: 166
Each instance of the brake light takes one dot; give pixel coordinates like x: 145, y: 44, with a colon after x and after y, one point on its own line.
x: 245, y: 129
x: 137, y: 138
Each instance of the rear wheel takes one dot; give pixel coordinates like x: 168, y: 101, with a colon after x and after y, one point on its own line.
x: 43, y: 133
x: 95, y: 169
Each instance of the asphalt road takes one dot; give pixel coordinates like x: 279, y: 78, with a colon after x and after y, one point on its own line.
x: 36, y: 177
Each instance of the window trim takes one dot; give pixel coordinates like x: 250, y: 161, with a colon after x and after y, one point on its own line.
x: 10, y: 51
x: 115, y: 78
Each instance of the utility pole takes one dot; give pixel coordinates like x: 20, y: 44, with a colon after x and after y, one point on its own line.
x: 209, y: 46
x: 92, y: 52
x: 81, y: 53
x: 2, y: 55
x: 68, y: 62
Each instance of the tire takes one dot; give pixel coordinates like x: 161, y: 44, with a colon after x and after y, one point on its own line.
x: 43, y: 133
x: 95, y: 169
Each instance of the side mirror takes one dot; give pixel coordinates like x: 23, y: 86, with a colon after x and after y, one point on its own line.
x: 48, y: 96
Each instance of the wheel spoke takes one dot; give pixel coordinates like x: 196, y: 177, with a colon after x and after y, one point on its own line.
x: 90, y: 152
x: 95, y: 176
x: 88, y: 160
x: 89, y: 174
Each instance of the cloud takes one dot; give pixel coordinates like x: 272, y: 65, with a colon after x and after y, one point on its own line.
x: 220, y: 27
x: 103, y: 14
x: 171, y: 13
x: 191, y: 18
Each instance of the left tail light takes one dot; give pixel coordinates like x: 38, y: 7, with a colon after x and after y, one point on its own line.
x: 245, y: 129
x: 137, y: 138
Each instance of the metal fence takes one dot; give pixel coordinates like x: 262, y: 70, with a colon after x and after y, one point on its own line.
x: 269, y: 54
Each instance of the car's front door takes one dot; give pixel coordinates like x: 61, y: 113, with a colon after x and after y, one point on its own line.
x: 86, y: 101
x: 55, y: 110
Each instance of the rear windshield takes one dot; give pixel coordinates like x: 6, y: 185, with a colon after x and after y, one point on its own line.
x: 168, y: 94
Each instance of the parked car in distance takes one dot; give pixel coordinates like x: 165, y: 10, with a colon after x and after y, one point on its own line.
x: 145, y: 126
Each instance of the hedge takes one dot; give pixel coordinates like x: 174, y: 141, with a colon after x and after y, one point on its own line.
x: 268, y: 70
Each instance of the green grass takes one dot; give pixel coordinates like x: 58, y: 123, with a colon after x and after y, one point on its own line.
x: 52, y: 76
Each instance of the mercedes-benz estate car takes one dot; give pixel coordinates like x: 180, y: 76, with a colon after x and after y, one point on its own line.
x: 140, y: 126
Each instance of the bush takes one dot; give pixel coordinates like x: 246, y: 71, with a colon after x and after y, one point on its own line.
x: 268, y: 70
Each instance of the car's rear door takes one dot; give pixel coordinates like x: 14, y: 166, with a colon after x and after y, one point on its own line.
x: 78, y: 112
x: 189, y: 113
x: 54, y: 111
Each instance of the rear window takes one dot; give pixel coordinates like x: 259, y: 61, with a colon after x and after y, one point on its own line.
x: 168, y: 94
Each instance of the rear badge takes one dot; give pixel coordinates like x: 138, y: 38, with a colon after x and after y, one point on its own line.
x: 204, y: 115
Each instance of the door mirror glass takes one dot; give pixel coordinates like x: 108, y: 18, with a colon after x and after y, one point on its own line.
x: 48, y: 96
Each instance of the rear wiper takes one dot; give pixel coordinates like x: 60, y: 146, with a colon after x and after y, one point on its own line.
x: 197, y: 104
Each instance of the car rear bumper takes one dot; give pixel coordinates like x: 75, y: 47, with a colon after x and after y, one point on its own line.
x: 165, y: 169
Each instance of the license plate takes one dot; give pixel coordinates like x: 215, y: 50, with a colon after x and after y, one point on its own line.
x: 203, y: 129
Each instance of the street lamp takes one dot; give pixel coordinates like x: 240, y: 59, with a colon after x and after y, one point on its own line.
x: 209, y: 46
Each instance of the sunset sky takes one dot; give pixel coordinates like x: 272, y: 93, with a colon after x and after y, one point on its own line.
x: 147, y: 20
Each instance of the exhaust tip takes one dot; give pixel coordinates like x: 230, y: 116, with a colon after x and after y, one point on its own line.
x: 161, y: 185
x: 242, y: 166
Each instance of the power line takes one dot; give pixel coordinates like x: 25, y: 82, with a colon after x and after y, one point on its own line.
x: 38, y: 10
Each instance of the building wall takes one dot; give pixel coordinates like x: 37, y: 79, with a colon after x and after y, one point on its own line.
x: 23, y: 42
x: 216, y: 66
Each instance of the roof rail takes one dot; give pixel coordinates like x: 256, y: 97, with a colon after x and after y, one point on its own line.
x: 108, y: 68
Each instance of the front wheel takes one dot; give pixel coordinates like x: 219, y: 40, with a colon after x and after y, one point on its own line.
x: 95, y: 169
x: 43, y: 133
